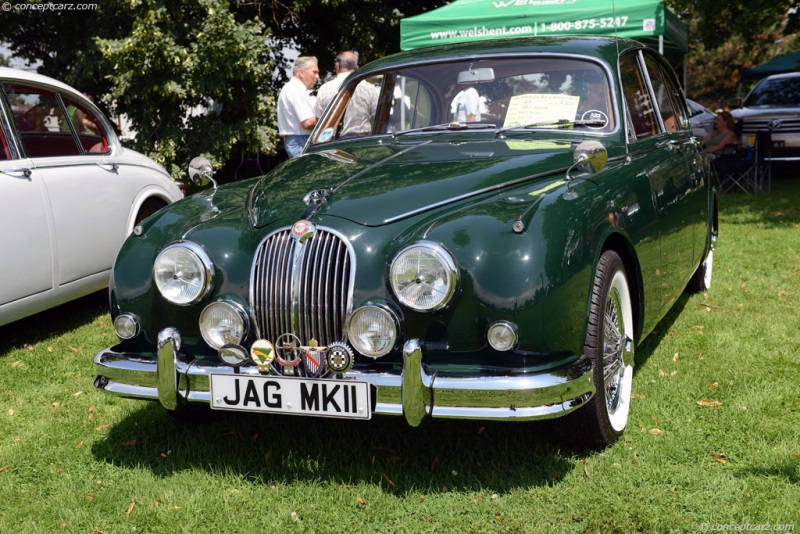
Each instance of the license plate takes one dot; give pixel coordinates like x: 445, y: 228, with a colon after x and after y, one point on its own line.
x: 299, y: 396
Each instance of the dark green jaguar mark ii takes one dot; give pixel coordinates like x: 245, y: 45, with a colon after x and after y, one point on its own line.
x: 480, y: 231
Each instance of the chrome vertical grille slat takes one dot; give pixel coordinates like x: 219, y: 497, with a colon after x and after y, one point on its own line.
x: 302, y: 288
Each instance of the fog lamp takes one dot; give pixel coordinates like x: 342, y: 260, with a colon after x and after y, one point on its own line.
x: 372, y: 330
x: 223, y: 323
x: 502, y: 336
x: 126, y: 326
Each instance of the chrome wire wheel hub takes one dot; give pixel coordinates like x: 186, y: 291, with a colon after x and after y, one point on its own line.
x: 613, y: 347
x: 618, y: 352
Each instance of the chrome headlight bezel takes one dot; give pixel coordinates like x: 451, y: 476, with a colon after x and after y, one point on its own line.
x: 201, y: 263
x: 391, y: 319
x: 237, y: 311
x: 446, y: 288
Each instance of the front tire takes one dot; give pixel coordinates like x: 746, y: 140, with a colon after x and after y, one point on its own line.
x: 609, y: 346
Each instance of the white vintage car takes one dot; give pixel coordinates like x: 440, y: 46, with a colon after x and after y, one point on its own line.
x: 69, y: 194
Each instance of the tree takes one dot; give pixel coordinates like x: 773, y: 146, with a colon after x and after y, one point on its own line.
x: 193, y: 81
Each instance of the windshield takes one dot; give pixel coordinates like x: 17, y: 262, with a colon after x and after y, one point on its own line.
x: 775, y: 93
x: 520, y: 93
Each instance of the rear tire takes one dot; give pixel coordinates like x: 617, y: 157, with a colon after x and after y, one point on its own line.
x: 701, y: 279
x: 609, y: 346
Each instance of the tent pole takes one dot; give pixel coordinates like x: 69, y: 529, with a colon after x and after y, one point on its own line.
x: 686, y: 73
x: 661, y: 44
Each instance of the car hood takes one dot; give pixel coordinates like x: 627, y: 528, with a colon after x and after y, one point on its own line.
x: 374, y: 185
x: 766, y: 112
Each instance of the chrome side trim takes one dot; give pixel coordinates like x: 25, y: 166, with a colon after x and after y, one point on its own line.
x: 172, y: 380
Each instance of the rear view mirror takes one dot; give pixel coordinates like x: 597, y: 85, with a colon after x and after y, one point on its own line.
x: 475, y: 76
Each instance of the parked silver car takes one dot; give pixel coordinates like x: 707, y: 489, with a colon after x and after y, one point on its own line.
x: 69, y: 194
x: 701, y: 119
x: 774, y: 106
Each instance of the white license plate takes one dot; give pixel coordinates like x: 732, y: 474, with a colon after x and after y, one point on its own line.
x: 299, y: 396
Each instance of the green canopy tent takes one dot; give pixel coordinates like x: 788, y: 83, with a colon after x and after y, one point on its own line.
x: 470, y: 20
x: 779, y: 65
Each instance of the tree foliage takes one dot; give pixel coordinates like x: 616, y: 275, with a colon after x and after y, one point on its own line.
x: 193, y: 81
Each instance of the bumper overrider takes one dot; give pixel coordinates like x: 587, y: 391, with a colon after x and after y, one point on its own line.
x: 174, y: 380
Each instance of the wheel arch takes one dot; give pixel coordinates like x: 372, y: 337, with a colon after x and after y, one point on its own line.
x: 149, y: 195
x: 618, y: 243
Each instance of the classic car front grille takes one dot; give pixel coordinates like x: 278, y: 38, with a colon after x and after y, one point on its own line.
x: 302, y: 288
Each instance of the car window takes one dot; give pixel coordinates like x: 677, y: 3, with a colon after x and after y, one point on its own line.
x: 528, y: 92
x: 88, y: 127
x: 775, y: 92
x: 40, y: 120
x: 667, y: 95
x: 5, y: 151
x: 640, y: 107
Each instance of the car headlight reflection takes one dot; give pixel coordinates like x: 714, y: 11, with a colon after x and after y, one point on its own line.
x: 223, y: 323
x: 183, y: 273
x: 372, y: 330
x: 424, y: 276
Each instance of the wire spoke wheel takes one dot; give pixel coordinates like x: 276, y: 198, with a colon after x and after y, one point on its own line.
x: 609, y: 346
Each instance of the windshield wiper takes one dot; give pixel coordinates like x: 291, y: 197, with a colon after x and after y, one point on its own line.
x: 449, y: 126
x: 559, y: 123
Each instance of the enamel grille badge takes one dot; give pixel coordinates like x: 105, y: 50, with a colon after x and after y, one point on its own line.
x: 302, y: 230
x: 262, y: 353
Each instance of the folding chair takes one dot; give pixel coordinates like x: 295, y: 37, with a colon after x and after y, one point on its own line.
x: 763, y: 160
x: 737, y: 168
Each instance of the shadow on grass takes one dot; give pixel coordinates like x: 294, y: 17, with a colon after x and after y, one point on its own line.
x: 439, y: 456
x: 778, y: 208
x: 53, y: 322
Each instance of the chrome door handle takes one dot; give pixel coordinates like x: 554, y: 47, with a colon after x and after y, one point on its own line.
x: 106, y: 166
x: 23, y: 171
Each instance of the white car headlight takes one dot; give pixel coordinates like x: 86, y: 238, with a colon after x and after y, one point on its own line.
x: 424, y: 276
x: 372, y: 330
x: 183, y: 273
x: 223, y: 323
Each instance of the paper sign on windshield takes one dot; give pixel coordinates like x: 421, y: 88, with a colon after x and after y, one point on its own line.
x: 530, y: 109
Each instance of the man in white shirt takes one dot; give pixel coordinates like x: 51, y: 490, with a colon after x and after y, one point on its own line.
x: 466, y: 106
x: 296, y: 115
x: 345, y: 63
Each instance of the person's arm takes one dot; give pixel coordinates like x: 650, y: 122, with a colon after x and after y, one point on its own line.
x: 309, y: 123
x: 729, y: 139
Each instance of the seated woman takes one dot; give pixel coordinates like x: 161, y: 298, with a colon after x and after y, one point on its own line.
x: 724, y: 135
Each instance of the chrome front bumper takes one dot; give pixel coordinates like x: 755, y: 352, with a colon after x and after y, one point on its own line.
x: 174, y: 380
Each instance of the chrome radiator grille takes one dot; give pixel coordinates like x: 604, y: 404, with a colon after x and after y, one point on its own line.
x: 302, y: 288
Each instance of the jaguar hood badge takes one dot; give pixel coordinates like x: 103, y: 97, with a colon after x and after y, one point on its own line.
x: 303, y: 229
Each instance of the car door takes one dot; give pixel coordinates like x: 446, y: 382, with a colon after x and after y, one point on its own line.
x: 71, y: 149
x: 693, y: 200
x: 25, y: 229
x: 654, y: 152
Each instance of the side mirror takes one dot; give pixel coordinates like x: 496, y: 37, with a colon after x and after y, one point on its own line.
x: 590, y: 156
x: 201, y: 173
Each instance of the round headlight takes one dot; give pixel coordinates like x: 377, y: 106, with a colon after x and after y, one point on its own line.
x: 183, y: 272
x: 126, y: 326
x: 502, y: 335
x: 424, y: 276
x: 372, y: 331
x: 223, y: 323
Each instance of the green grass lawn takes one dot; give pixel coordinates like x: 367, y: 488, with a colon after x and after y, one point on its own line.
x: 713, y: 438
